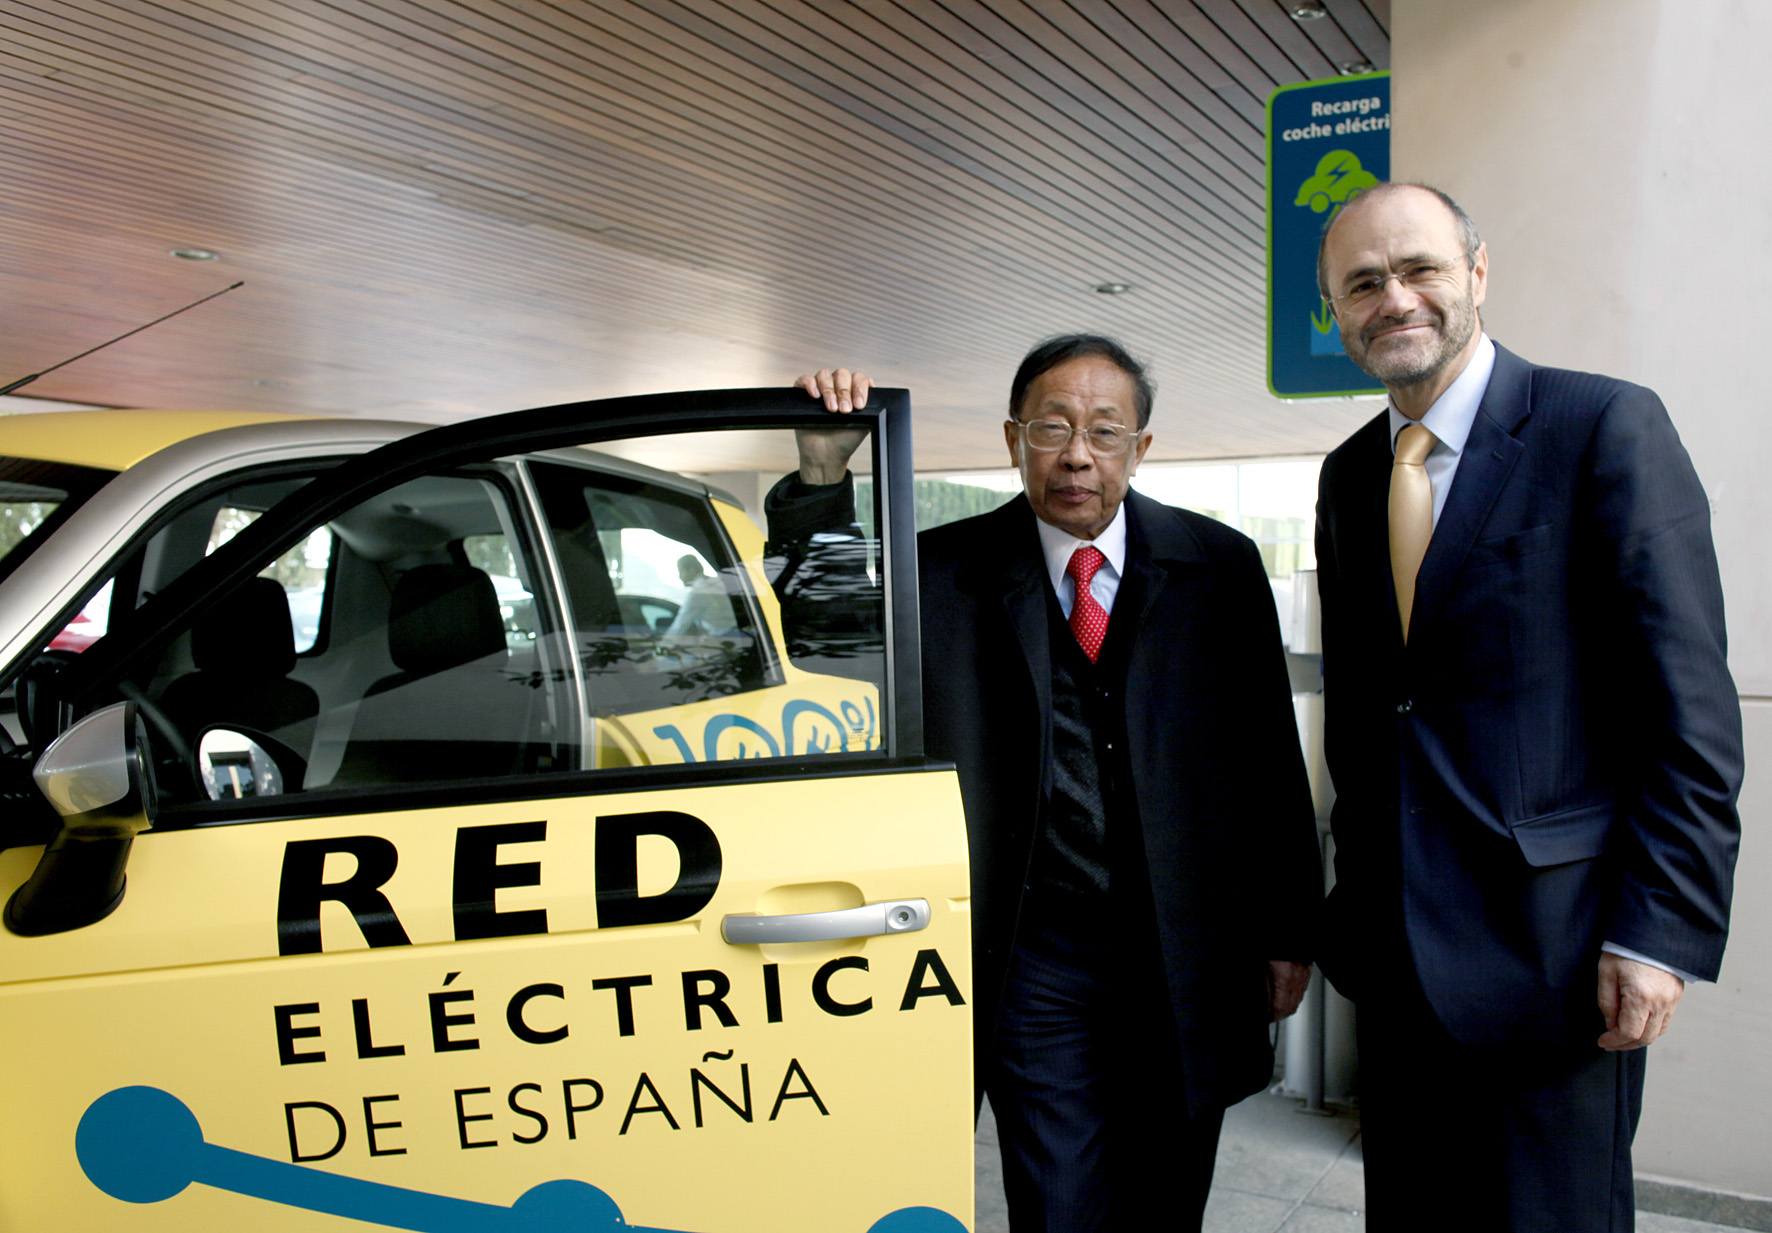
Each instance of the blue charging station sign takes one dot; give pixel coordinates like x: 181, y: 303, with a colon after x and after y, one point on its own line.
x: 1327, y: 141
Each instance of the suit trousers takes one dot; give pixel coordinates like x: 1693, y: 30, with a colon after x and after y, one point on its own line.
x: 1520, y: 1138
x: 1085, y: 1081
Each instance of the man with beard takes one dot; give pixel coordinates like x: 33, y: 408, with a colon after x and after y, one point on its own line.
x: 1534, y: 738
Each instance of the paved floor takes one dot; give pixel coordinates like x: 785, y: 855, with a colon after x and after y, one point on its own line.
x: 1278, y: 1169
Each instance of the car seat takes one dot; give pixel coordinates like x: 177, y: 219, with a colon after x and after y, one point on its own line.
x: 454, y: 710
x: 244, y: 650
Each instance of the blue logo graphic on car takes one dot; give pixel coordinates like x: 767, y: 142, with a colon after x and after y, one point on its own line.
x: 820, y: 732
x: 143, y: 1145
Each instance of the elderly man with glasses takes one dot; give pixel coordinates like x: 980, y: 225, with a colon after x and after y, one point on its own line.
x: 1107, y: 673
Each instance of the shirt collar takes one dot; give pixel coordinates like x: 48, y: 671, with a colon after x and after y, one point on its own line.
x: 1057, y: 546
x: 1453, y: 412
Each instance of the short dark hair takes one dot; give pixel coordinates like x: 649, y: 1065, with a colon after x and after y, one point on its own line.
x: 1467, y: 230
x: 1066, y: 347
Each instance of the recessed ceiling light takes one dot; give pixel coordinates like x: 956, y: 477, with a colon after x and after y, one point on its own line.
x: 1113, y: 288
x: 1308, y: 10
x: 196, y: 254
x: 1353, y: 68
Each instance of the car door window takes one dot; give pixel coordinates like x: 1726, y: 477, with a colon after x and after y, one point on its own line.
x: 195, y: 526
x: 443, y: 674
x: 660, y: 607
x: 210, y: 522
x: 679, y: 636
x: 35, y: 497
x: 492, y: 555
x: 430, y: 669
x: 396, y: 642
x: 592, y: 609
x: 301, y: 571
x: 516, y: 617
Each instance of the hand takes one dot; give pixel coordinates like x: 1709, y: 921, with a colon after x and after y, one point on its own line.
x: 841, y: 389
x: 1638, y: 1000
x: 1286, y: 983
x: 825, y: 452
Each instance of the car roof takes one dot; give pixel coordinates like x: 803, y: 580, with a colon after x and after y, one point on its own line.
x: 115, y: 440
x: 158, y: 454
x: 118, y: 439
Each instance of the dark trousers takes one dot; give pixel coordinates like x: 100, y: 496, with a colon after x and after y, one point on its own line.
x: 1086, y: 1087
x: 1504, y: 1140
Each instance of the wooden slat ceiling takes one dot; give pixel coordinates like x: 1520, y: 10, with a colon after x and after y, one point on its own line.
x: 458, y: 207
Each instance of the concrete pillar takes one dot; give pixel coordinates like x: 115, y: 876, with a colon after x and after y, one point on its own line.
x: 1613, y: 153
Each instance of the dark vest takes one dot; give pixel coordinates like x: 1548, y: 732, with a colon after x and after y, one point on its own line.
x: 1088, y: 753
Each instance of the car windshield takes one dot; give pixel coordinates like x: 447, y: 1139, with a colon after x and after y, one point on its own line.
x: 35, y: 497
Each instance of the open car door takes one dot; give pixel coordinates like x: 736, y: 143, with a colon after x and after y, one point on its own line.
x: 584, y: 871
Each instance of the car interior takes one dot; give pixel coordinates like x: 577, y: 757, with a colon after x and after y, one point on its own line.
x: 415, y: 638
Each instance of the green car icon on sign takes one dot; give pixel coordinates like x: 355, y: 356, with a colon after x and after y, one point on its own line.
x: 1339, y: 178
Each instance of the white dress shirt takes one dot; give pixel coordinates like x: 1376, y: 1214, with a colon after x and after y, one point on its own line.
x: 1058, y: 546
x: 1450, y: 420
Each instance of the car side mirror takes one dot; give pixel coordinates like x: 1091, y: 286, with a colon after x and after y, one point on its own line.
x: 97, y: 776
x: 234, y: 764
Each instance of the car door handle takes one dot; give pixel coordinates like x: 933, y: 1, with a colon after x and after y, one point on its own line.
x: 869, y: 920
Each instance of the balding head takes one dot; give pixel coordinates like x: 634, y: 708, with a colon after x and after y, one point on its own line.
x: 1399, y: 271
x: 1467, y: 230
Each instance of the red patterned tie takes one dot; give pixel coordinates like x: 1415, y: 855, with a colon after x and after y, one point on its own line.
x: 1088, y: 618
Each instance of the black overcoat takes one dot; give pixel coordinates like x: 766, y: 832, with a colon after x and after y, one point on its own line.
x: 1218, y: 781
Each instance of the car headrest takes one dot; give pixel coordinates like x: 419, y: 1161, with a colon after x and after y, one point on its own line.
x: 248, y: 634
x: 441, y: 616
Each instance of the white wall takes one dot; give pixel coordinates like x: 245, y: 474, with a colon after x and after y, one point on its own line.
x: 1614, y: 155
x: 1707, y: 1117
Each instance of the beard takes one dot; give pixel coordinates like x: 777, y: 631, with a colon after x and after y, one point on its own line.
x: 1422, y: 359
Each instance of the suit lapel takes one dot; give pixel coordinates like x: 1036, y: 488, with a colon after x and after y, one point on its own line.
x: 1362, y: 531
x: 1490, y: 455
x: 1011, y: 568
x: 1156, y: 543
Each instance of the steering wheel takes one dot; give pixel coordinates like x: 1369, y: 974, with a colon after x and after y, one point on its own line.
x: 173, y: 751
x: 36, y: 700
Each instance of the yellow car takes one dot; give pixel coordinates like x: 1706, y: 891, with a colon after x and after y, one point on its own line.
x: 453, y: 830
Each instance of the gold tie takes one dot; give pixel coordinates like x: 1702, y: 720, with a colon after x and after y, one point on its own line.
x: 1412, y: 514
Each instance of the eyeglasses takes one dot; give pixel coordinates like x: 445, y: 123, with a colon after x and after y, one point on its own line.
x: 1369, y: 290
x: 1103, y: 440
